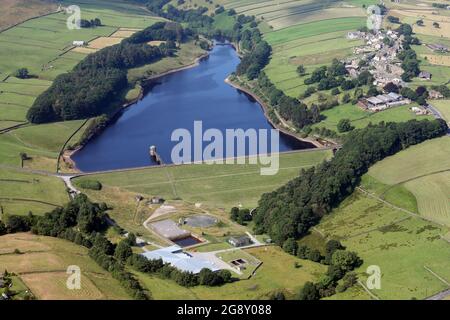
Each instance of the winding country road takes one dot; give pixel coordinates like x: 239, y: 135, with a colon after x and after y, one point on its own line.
x: 438, y: 115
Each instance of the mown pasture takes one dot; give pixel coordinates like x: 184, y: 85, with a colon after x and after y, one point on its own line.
x: 44, y: 46
x: 444, y: 108
x: 286, y: 13
x: 361, y: 118
x: 216, y: 185
x: 41, y: 143
x: 423, y: 171
x: 16, y: 11
x: 16, y: 97
x: 311, y: 45
x: 42, y: 266
x: 403, y: 246
x: 37, y: 44
x: 22, y: 192
x: 428, y: 33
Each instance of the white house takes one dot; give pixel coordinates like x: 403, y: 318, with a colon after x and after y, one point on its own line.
x: 181, y: 260
x: 79, y: 43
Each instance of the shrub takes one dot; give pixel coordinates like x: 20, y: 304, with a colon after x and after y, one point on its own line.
x: 89, y: 184
x: 344, y: 125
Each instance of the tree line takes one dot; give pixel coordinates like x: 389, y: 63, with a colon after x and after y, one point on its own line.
x: 256, y: 56
x: 206, y: 277
x: 289, y: 108
x: 82, y: 222
x: 338, y: 276
x: 97, y: 81
x: 293, y: 209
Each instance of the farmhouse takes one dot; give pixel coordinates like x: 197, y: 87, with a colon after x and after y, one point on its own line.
x: 419, y: 111
x: 157, y: 200
x: 355, y: 35
x: 176, y: 257
x: 434, y: 94
x: 383, y: 101
x: 437, y: 47
x: 425, y: 75
x: 79, y: 43
x: 240, y: 241
x: 381, y: 57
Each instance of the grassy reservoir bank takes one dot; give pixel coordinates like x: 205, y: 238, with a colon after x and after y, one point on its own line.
x: 397, y: 218
x: 37, y: 147
x: 281, y: 125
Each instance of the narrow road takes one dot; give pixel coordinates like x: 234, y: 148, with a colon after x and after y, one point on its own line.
x: 68, y: 182
x: 440, y: 296
x: 438, y: 115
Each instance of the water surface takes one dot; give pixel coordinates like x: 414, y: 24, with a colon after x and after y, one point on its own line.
x: 178, y: 100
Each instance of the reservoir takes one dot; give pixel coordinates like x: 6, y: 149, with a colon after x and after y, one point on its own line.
x: 176, y: 101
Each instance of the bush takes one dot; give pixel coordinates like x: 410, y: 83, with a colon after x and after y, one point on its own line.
x: 335, y: 91
x: 309, y: 292
x: 22, y: 73
x: 2, y: 228
x: 314, y: 255
x: 89, y: 184
x: 290, y: 246
x: 18, y: 224
x: 123, y: 251
x: 344, y: 125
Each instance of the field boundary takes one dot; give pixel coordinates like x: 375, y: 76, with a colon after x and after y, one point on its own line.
x: 29, y: 19
x: 437, y: 276
x: 30, y: 200
x: 368, y: 291
x: 412, y: 214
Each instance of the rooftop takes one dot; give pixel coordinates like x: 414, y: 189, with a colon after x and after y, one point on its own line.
x: 170, y: 230
x: 181, y: 260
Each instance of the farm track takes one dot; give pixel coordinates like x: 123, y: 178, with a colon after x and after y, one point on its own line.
x: 412, y: 214
x: 412, y: 179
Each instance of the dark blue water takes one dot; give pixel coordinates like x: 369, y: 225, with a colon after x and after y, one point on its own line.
x: 187, y: 242
x: 177, y: 101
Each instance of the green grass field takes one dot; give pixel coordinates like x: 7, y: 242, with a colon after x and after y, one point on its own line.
x: 217, y: 185
x: 311, y: 44
x: 405, y: 246
x: 417, y: 161
x: 23, y: 192
x: 42, y: 46
x: 401, y: 245
x: 115, y: 13
x: 41, y: 143
x: 16, y: 97
x: 419, y: 174
x: 42, y: 268
x: 185, y: 56
x: 361, y: 118
x: 37, y: 43
x: 278, y: 272
x: 285, y: 13
x: 444, y: 108
x: 312, y: 29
